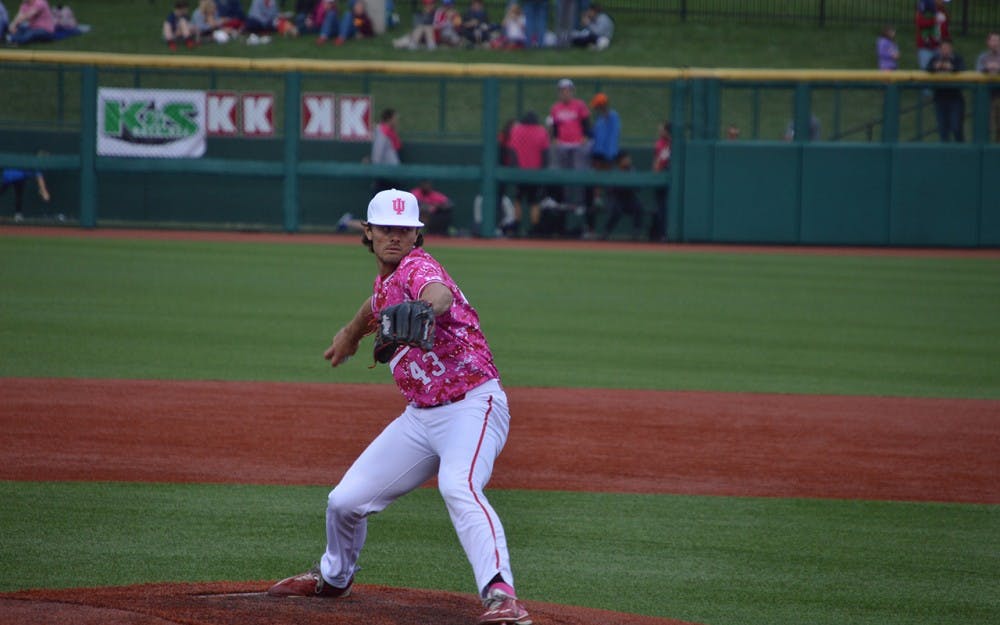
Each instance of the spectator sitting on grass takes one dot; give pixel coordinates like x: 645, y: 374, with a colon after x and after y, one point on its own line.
x: 231, y: 13
x: 328, y: 19
x: 422, y: 34
x: 355, y: 24
x: 34, y: 22
x: 177, y: 28
x: 446, y: 24
x: 515, y: 34
x: 476, y: 28
x: 597, y: 29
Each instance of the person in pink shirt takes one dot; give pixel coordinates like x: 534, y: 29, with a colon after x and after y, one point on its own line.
x: 34, y: 22
x: 435, y: 207
x: 569, y: 119
x: 530, y: 142
x: 453, y: 427
x: 661, y: 163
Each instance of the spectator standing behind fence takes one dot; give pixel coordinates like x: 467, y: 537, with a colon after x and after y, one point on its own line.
x: 815, y: 129
x: 566, y: 22
x: 931, y: 23
x: 624, y: 201
x: 536, y: 20
x: 18, y: 178
x: 177, y: 27
x: 596, y: 29
x: 530, y: 143
x: 33, y: 23
x: 603, y: 149
x: 386, y: 145
x: 569, y: 118
x: 507, y: 222
x: 989, y: 63
x: 949, y: 103
x: 661, y: 164
x: 887, y: 50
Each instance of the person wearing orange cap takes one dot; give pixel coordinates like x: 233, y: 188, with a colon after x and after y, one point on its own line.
x: 603, y: 148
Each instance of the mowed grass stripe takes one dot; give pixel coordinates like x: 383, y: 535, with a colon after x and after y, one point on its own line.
x: 703, y: 559
x: 618, y: 319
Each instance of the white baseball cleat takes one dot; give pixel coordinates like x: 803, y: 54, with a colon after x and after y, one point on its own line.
x: 503, y: 608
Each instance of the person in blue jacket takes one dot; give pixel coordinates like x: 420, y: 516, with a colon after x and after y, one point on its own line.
x: 18, y: 179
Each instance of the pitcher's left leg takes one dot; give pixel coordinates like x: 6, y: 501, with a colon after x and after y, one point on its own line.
x: 469, y: 441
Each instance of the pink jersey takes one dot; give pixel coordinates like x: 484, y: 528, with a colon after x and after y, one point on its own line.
x: 433, y: 198
x: 529, y: 142
x: 461, y: 359
x: 41, y: 15
x: 661, y: 154
x: 568, y: 118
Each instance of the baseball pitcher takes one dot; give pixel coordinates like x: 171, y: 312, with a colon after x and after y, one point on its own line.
x: 454, y: 425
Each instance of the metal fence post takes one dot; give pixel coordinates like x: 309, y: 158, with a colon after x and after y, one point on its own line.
x: 890, y: 114
x: 981, y: 114
x: 803, y: 113
x: 488, y: 186
x: 88, y: 147
x: 713, y: 108
x: 698, y: 108
x: 675, y: 194
x: 290, y: 184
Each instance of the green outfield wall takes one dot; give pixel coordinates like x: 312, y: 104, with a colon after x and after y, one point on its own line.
x: 842, y: 194
x: 876, y: 175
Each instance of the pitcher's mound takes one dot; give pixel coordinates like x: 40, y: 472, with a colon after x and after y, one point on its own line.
x: 245, y: 603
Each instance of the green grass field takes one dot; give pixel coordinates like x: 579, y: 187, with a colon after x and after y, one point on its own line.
x: 723, y: 322
x: 682, y: 320
x: 702, y: 559
x: 642, y: 39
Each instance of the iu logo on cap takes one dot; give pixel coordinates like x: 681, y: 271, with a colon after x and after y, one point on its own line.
x: 399, y: 205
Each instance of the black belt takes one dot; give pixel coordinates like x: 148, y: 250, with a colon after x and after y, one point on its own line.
x: 445, y: 403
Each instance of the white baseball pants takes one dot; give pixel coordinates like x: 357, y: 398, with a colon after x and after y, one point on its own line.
x: 458, y: 442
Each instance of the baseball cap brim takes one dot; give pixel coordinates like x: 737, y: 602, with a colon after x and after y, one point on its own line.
x: 402, y: 222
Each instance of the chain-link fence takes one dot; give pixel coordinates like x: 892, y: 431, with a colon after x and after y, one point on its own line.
x: 281, y: 143
x: 966, y: 15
